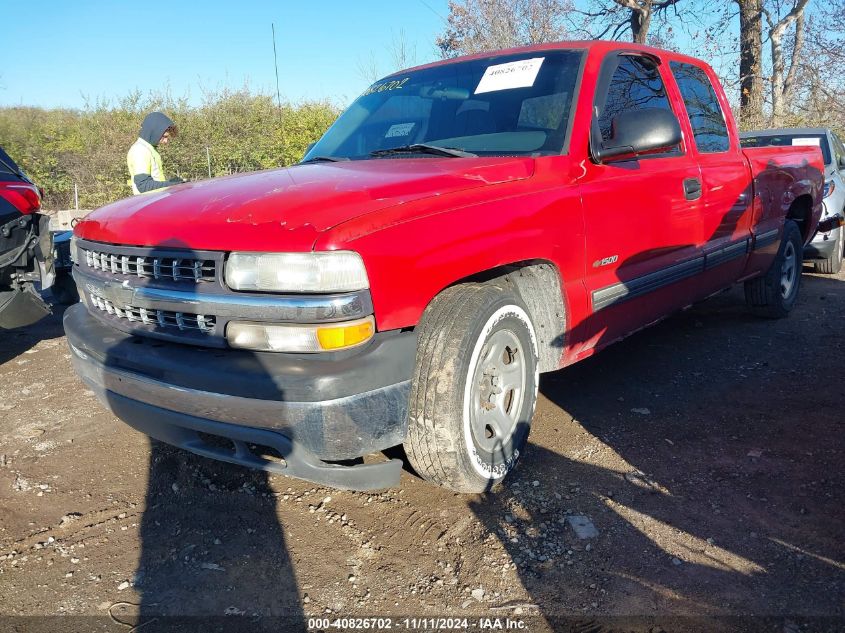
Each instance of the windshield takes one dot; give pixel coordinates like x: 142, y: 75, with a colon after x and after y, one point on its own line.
x: 767, y: 140
x: 502, y: 105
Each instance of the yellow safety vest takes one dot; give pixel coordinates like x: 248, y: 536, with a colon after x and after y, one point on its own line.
x: 143, y: 159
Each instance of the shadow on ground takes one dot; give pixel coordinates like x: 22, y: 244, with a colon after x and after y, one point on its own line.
x: 192, y: 580
x: 211, y: 541
x: 19, y: 340
x: 709, y: 458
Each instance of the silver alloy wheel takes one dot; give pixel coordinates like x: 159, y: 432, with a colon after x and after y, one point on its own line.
x: 497, y: 392
x: 788, y: 271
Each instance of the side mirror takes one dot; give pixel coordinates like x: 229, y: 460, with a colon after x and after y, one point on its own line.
x: 638, y: 131
x: 842, y: 162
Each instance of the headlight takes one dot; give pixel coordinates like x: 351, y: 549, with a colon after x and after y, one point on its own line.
x: 829, y: 187
x: 272, y: 337
x: 329, y: 271
x: 74, y: 255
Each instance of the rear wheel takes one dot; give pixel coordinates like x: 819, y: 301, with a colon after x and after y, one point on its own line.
x: 833, y: 264
x: 474, y: 388
x: 774, y: 294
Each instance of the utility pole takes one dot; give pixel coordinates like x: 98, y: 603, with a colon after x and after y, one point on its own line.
x: 276, y: 64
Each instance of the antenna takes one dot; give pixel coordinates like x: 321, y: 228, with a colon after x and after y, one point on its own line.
x: 276, y: 64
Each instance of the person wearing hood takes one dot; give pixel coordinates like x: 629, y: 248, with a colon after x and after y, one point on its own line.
x: 145, y: 169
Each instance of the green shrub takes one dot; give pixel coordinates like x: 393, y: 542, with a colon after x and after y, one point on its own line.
x: 243, y: 132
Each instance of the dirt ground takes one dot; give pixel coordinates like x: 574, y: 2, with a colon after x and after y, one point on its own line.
x: 707, y: 451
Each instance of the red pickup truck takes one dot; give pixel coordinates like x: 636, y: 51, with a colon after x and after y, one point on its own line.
x: 462, y: 227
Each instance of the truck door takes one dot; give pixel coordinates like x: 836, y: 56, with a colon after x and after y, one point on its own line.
x: 642, y: 216
x: 726, y: 211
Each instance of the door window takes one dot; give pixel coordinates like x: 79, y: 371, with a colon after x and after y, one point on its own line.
x: 705, y: 113
x: 635, y: 85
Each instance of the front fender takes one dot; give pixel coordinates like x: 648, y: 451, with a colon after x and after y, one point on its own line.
x: 414, y: 253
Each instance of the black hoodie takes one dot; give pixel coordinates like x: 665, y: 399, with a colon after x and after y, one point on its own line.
x: 152, y: 129
x: 154, y: 126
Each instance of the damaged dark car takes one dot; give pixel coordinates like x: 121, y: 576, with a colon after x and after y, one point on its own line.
x: 26, y: 259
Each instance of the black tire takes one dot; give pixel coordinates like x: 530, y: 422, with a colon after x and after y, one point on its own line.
x: 454, y: 391
x: 64, y: 290
x: 774, y: 294
x: 832, y: 264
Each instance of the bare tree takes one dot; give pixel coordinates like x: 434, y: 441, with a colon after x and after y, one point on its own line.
x: 783, y: 81
x: 790, y: 52
x: 785, y: 30
x: 480, y: 25
x: 751, y: 60
x: 615, y: 19
x: 640, y: 15
x: 818, y: 93
x: 367, y: 68
x: 402, y: 53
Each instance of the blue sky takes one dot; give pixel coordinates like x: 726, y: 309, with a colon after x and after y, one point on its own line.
x: 57, y: 53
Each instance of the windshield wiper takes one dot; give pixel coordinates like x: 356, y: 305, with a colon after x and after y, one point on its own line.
x: 327, y: 159
x: 424, y: 148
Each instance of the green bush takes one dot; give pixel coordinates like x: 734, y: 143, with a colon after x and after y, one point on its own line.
x: 243, y: 132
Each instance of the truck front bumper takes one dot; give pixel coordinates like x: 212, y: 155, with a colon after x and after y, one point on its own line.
x: 824, y: 242
x: 819, y: 248
x: 822, y: 246
x: 234, y: 405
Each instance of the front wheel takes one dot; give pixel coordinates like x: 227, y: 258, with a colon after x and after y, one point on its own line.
x: 774, y: 294
x: 474, y: 388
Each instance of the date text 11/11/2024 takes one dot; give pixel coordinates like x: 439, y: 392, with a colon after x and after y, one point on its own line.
x: 418, y: 624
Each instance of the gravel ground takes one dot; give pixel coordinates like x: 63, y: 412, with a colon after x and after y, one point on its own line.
x: 707, y: 452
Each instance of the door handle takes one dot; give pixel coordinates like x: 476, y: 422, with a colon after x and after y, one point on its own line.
x: 692, y: 188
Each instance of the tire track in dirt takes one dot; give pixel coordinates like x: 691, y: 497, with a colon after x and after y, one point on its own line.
x: 74, y: 529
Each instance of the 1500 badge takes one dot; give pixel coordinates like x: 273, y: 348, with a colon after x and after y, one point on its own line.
x: 606, y: 261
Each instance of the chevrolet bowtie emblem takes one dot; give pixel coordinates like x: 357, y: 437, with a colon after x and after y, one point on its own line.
x: 120, y: 294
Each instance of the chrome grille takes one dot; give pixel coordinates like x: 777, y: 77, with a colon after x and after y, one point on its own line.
x: 161, y: 318
x: 172, y: 268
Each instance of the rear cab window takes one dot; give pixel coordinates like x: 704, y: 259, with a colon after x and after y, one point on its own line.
x: 705, y: 114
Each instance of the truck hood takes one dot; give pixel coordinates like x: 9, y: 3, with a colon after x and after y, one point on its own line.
x: 287, y: 209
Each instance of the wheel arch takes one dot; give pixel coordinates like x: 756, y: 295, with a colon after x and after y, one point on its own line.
x: 801, y: 212
x: 539, y: 284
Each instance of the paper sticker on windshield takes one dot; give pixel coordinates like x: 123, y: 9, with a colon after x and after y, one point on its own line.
x: 386, y: 86
x: 519, y: 74
x: 807, y: 141
x: 400, y: 129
